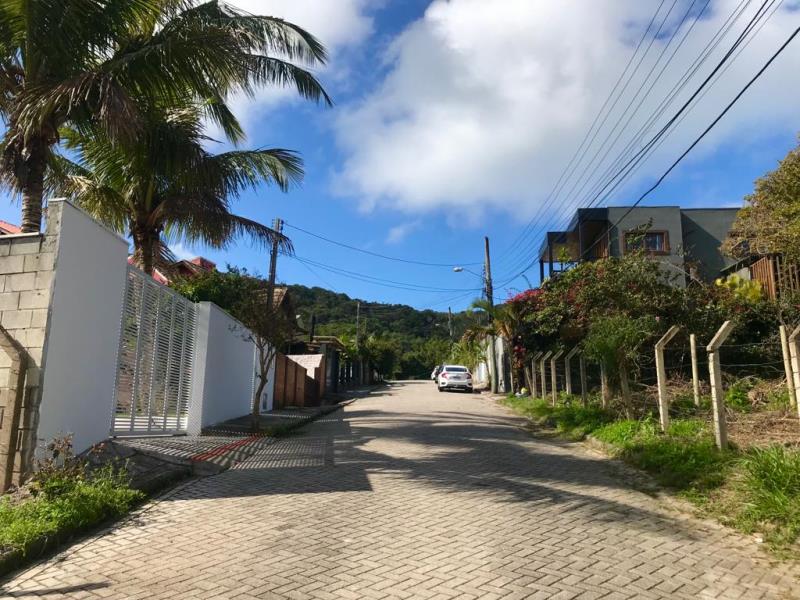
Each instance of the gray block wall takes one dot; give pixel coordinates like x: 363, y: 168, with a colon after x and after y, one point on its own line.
x: 27, y: 264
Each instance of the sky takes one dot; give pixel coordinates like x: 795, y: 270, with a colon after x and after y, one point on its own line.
x: 454, y: 120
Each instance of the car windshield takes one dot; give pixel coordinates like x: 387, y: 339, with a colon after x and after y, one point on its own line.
x: 455, y: 369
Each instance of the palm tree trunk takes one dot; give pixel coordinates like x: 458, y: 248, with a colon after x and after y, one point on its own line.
x: 32, y: 188
x: 145, y: 242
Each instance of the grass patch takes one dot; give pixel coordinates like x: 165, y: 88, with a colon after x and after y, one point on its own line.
x: 64, y: 507
x: 757, y: 490
x: 770, y: 486
x: 573, y: 420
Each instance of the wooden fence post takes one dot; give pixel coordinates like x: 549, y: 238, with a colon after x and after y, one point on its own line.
x: 794, y: 351
x: 787, y: 366
x: 568, y: 370
x: 717, y: 391
x: 584, y: 391
x: 534, y: 375
x: 695, y: 371
x: 554, y: 374
x: 661, y: 374
x: 543, y: 370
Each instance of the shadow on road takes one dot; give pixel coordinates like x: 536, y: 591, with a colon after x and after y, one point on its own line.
x: 458, y: 452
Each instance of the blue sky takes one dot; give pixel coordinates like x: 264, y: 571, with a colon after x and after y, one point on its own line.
x: 454, y: 120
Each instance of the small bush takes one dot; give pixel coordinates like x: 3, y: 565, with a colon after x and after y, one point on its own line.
x: 772, y: 491
x: 736, y: 396
x: 66, y: 498
x: 85, y: 503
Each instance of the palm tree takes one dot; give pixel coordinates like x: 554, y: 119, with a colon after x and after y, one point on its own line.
x: 88, y: 63
x: 503, y: 320
x: 164, y: 185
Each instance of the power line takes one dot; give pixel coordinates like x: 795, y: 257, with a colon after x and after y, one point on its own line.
x: 639, y: 156
x: 376, y: 254
x: 378, y: 280
x: 705, y: 54
x: 705, y: 132
x: 555, y: 192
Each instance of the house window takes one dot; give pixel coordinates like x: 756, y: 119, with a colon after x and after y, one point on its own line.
x: 652, y: 242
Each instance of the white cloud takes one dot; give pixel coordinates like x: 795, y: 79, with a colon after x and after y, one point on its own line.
x: 182, y: 252
x: 400, y: 232
x: 485, y: 102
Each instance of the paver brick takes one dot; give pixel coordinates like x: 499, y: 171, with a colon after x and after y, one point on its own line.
x: 411, y: 494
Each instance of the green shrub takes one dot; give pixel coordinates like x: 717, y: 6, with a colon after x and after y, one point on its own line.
x: 736, y: 395
x: 772, y: 491
x: 81, y: 504
x: 619, y: 433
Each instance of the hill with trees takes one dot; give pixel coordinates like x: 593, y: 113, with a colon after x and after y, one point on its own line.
x: 415, y: 339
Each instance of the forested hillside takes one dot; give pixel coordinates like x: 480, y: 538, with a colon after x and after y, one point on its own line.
x: 419, y: 338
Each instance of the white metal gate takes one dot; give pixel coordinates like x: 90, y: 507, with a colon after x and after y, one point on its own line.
x: 155, y: 359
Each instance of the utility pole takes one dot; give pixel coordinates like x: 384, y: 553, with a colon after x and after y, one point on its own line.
x: 490, y: 298
x: 358, y: 319
x: 273, y: 264
x: 488, y: 269
x: 450, y: 323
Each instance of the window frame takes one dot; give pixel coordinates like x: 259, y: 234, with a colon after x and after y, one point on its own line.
x: 632, y: 233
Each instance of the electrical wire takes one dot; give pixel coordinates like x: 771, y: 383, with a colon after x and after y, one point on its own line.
x: 716, y: 39
x: 376, y: 254
x: 683, y: 109
x: 704, y: 133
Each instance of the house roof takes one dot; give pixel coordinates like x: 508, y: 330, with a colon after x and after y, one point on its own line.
x: 7, y: 228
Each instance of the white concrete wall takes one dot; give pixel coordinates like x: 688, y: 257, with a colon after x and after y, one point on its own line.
x: 83, y: 333
x: 223, y: 369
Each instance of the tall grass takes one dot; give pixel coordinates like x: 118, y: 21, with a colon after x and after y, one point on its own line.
x: 772, y: 494
x: 758, y: 490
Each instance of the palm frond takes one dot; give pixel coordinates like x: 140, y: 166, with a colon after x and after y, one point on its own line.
x: 270, y: 70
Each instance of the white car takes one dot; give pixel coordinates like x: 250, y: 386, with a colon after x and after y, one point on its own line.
x: 454, y: 377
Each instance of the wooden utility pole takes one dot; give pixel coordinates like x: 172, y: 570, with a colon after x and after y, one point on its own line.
x: 487, y: 269
x: 273, y: 264
x: 450, y: 323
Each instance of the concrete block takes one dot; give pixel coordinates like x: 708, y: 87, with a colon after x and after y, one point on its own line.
x: 21, y: 282
x: 43, y: 280
x: 29, y: 245
x: 11, y: 264
x: 9, y: 300
x: 49, y: 243
x: 39, y: 318
x: 2, y: 283
x: 35, y: 355
x: 16, y: 319
x: 5, y: 248
x: 33, y: 337
x: 32, y: 299
x: 39, y: 262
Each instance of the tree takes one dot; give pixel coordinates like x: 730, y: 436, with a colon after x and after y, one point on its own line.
x: 613, y: 342
x: 770, y: 222
x: 245, y: 297
x: 165, y: 185
x: 90, y: 64
x: 505, y: 321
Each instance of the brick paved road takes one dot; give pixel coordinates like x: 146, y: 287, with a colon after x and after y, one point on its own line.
x: 410, y: 494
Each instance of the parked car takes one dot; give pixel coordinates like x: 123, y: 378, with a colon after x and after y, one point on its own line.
x: 454, y: 377
x: 436, y: 370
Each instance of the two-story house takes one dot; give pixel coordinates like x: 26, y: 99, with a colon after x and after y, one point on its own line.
x: 687, y: 240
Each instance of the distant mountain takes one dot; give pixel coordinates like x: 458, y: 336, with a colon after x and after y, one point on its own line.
x: 420, y: 335
x: 336, y: 314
